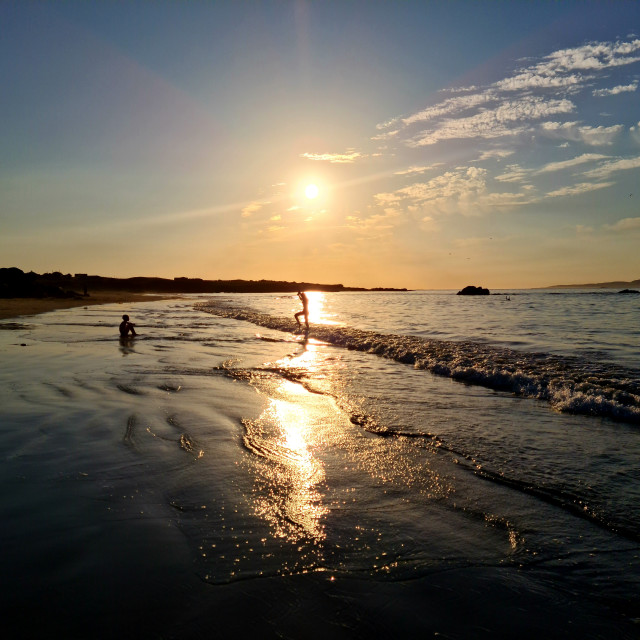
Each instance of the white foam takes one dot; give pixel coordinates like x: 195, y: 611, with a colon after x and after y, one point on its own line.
x: 568, y: 384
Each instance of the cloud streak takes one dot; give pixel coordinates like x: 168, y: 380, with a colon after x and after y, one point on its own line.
x: 573, y: 162
x: 508, y: 119
x: 335, y: 158
x: 578, y: 189
x: 626, y: 224
x: 593, y: 136
x: 609, y: 168
x: 614, y: 91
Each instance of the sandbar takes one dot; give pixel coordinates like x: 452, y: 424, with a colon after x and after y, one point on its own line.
x: 14, y: 307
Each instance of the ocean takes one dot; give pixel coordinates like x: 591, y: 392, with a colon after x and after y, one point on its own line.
x: 419, y: 464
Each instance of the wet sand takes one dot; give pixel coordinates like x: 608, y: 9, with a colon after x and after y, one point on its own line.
x: 14, y: 307
x: 208, y: 479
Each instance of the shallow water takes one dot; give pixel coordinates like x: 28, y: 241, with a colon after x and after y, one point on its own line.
x: 216, y: 474
x: 600, y: 325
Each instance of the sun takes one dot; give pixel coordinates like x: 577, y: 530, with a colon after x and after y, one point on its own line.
x: 311, y: 191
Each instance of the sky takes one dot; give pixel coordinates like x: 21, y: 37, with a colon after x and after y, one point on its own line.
x: 447, y: 143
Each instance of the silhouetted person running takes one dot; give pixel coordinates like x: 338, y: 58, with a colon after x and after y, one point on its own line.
x: 305, y: 309
x: 126, y: 327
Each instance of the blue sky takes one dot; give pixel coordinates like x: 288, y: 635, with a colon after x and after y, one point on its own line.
x: 452, y: 143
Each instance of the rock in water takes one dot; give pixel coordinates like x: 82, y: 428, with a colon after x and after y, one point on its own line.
x: 470, y: 290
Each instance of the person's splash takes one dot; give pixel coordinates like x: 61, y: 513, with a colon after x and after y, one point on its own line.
x: 305, y: 309
x: 126, y: 327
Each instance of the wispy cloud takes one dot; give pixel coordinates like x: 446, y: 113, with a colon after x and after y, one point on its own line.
x: 563, y: 69
x: 609, y: 168
x: 509, y: 106
x: 377, y: 224
x: 614, y: 91
x: 514, y: 173
x: 577, y: 189
x: 451, y: 106
x: 459, y: 183
x: 593, y: 136
x: 510, y: 118
x: 414, y: 170
x: 590, y: 57
x: 568, y: 164
x: 251, y: 208
x: 388, y: 124
x: 387, y: 135
x: 463, y: 190
x: 532, y: 79
x: 340, y: 158
x: 626, y: 224
x: 495, y: 153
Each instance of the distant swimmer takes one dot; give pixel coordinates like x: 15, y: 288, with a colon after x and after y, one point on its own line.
x: 126, y: 327
x: 305, y: 309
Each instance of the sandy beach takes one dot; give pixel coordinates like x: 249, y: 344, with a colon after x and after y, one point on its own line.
x: 14, y: 307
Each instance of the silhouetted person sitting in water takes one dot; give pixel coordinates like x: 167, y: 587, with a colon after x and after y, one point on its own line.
x: 126, y: 327
x: 305, y: 309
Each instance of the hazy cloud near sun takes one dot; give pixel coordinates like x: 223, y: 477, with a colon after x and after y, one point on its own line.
x: 251, y: 208
x: 626, y: 224
x: 339, y: 158
x: 414, y: 170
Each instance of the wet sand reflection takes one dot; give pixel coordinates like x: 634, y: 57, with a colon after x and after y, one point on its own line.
x: 286, y: 438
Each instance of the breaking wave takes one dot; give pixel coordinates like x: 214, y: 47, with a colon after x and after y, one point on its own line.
x: 571, y: 385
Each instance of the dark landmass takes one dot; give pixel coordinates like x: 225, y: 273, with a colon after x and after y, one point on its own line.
x: 14, y: 283
x: 598, y: 285
x: 470, y: 290
x: 629, y: 291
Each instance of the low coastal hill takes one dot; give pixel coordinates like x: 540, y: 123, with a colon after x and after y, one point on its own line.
x: 15, y: 283
x: 618, y: 284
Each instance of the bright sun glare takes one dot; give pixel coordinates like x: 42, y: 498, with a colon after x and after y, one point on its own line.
x: 311, y: 191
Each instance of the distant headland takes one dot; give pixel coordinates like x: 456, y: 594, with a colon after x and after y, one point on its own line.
x: 15, y: 283
x: 617, y: 284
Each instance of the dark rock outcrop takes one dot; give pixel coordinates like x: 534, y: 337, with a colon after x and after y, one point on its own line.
x: 470, y: 290
x: 629, y: 291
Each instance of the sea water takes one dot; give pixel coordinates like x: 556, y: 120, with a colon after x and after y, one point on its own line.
x: 417, y: 463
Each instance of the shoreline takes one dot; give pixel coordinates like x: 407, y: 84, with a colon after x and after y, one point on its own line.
x: 16, y: 307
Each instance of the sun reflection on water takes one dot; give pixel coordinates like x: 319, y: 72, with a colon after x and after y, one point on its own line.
x: 285, y: 438
x: 318, y: 311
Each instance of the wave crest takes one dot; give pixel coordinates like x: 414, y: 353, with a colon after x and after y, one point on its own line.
x: 569, y: 384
